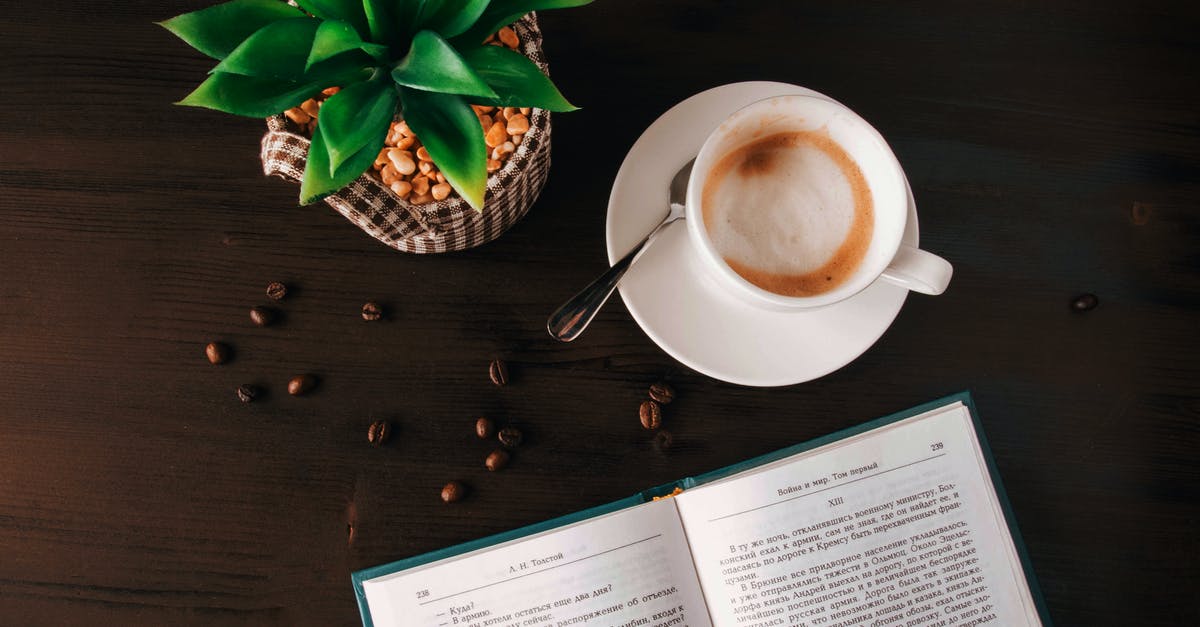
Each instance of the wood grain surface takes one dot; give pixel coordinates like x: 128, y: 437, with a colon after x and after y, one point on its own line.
x: 1054, y: 149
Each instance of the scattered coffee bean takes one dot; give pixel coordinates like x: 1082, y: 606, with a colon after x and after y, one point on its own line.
x: 1140, y: 213
x: 662, y: 393
x: 301, y: 384
x: 262, y: 316
x: 484, y: 428
x: 379, y: 432
x: 217, y: 352
x: 651, y: 414
x: 1085, y: 302
x: 497, y: 460
x: 276, y: 290
x: 372, y: 311
x: 247, y: 393
x: 498, y: 372
x: 663, y: 440
x: 510, y: 437
x: 454, y: 491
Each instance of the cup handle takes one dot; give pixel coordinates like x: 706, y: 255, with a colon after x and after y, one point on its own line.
x: 919, y: 271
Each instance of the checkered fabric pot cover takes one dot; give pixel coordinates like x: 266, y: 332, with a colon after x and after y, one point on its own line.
x: 439, y: 226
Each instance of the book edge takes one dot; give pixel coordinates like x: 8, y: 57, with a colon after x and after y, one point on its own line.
x: 766, y: 458
x: 1010, y: 519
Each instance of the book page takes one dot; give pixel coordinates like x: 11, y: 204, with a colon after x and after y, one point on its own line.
x: 896, y: 526
x: 630, y: 567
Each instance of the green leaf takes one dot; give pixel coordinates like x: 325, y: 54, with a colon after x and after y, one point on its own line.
x: 353, y: 116
x: 279, y: 50
x: 318, y: 182
x: 250, y: 96
x: 454, y: 17
x: 334, y: 37
x: 450, y: 131
x: 426, y: 9
x: 518, y: 81
x: 217, y: 30
x: 504, y: 12
x: 381, y: 20
x: 432, y: 65
x: 350, y: 11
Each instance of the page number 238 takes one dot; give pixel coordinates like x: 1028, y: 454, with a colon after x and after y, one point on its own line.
x: 936, y: 446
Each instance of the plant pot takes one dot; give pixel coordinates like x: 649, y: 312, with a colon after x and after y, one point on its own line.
x: 439, y: 226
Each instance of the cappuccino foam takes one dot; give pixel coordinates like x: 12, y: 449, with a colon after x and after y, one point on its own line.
x: 790, y: 212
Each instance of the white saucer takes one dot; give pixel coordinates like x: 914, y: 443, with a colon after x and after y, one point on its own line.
x: 679, y: 305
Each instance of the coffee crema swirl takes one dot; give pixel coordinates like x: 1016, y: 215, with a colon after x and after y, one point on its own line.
x: 790, y: 212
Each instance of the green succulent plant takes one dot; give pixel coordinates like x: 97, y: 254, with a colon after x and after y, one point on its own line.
x: 424, y: 58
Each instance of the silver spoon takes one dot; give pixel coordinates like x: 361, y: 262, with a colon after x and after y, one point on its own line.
x: 568, y: 321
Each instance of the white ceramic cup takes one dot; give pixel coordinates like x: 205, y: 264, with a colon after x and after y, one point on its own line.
x: 886, y: 257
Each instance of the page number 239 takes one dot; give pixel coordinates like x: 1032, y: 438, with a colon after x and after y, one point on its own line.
x: 936, y: 446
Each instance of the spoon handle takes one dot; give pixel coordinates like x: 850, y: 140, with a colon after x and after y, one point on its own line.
x: 568, y: 321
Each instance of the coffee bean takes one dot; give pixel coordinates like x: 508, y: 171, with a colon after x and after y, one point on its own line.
x: 276, y: 290
x: 663, y: 440
x: 301, y: 384
x: 497, y: 460
x: 484, y: 428
x: 372, y: 311
x: 453, y: 491
x: 262, y: 316
x: 510, y: 437
x: 662, y: 393
x: 1085, y: 302
x: 651, y: 414
x: 217, y: 352
x: 247, y: 393
x: 1140, y: 213
x: 379, y: 432
x: 498, y: 372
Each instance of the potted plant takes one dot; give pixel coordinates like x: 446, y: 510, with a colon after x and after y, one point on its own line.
x: 439, y: 80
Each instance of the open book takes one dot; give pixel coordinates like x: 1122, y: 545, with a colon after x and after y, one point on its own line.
x: 900, y: 521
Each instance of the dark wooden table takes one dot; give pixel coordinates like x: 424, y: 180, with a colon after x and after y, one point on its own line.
x: 1053, y: 149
